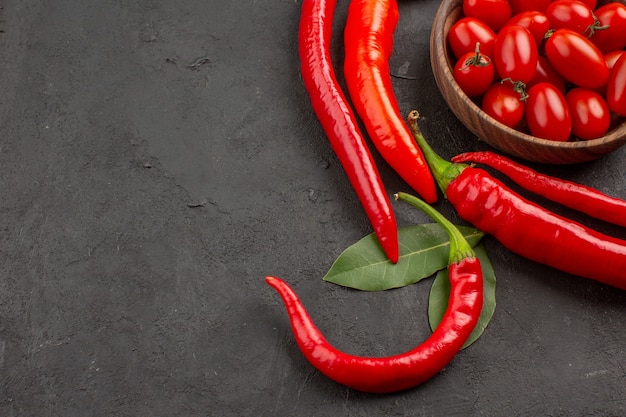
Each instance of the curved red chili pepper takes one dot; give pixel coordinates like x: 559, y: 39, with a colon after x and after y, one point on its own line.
x: 368, y: 39
x: 405, y: 370
x: 523, y: 226
x: 579, y: 197
x: 339, y: 122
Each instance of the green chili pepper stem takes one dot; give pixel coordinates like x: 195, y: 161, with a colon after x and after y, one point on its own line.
x: 443, y: 171
x: 459, y: 247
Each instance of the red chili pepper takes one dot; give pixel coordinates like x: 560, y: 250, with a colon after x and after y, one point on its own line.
x: 368, y: 39
x: 409, y: 369
x: 523, y: 226
x: 579, y: 197
x: 339, y: 122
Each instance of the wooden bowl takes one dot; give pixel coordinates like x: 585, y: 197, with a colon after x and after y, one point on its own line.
x: 496, y: 134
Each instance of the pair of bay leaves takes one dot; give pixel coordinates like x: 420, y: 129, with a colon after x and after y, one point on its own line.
x: 424, y: 252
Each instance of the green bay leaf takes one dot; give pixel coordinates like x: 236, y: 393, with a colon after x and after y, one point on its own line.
x: 424, y: 250
x: 440, y: 291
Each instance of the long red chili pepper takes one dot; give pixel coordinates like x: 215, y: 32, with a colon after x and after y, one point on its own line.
x: 523, y: 226
x: 368, y: 39
x: 405, y: 370
x: 339, y: 122
x: 579, y: 197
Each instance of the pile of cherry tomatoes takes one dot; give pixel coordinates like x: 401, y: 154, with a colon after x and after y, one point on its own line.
x: 553, y: 68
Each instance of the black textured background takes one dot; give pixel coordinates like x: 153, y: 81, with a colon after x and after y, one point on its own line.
x: 144, y: 198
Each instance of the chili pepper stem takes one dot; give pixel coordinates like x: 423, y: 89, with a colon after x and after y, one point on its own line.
x: 443, y: 171
x: 459, y: 247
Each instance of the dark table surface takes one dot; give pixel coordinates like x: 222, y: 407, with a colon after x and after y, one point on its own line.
x: 158, y: 158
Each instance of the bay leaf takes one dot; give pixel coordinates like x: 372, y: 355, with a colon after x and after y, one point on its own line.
x: 440, y: 291
x: 424, y: 250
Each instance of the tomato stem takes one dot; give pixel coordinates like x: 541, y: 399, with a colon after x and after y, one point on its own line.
x: 595, y: 26
x: 518, y: 87
x: 477, y: 60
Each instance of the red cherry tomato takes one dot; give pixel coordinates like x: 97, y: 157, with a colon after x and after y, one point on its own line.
x: 504, y: 103
x: 616, y: 87
x: 571, y: 14
x: 546, y: 73
x: 591, y: 3
x: 613, y: 17
x: 518, y: 6
x: 577, y: 59
x: 493, y: 12
x: 515, y: 53
x: 547, y: 114
x: 612, y: 57
x: 464, y: 34
x: 474, y: 73
x: 536, y: 22
x: 590, y: 113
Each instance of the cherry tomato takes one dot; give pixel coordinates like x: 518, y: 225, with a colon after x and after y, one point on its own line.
x: 547, y: 114
x: 515, y: 53
x: 546, y: 73
x: 474, y: 73
x: 612, y: 57
x: 493, y: 12
x: 590, y: 113
x: 577, y: 59
x: 571, y: 14
x: 464, y: 34
x: 613, y: 37
x: 536, y: 22
x: 504, y: 103
x: 616, y: 87
x: 591, y: 3
x: 518, y: 6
